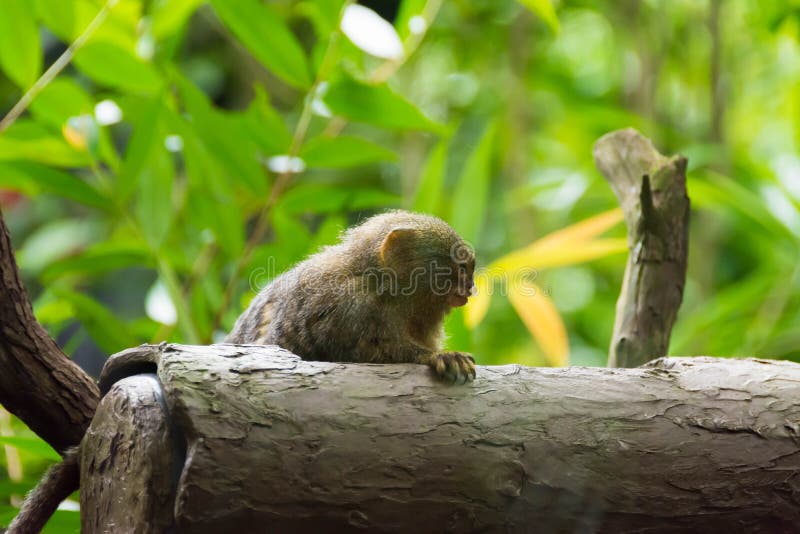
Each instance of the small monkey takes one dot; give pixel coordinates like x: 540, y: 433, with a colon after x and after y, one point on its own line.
x: 380, y: 295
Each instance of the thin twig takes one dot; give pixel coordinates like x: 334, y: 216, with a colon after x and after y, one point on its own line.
x: 57, y: 66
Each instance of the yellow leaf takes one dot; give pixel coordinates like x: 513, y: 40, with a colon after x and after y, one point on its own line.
x: 568, y: 246
x: 542, y: 320
x: 531, y: 258
x: 580, y: 231
x: 556, y: 248
x: 74, y: 137
x: 478, y: 303
x: 81, y: 133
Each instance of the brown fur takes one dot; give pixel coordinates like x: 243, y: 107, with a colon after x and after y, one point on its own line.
x: 380, y: 295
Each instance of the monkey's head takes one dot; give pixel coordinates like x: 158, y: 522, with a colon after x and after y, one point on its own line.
x: 426, y: 260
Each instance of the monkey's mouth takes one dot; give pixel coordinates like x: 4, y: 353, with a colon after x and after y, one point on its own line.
x: 457, y: 299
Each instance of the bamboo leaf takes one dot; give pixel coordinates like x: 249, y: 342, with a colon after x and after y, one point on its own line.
x: 581, y: 231
x: 548, y: 257
x: 544, y: 10
x: 478, y: 304
x: 154, y: 207
x: 110, y: 64
x: 33, y: 445
x: 429, y: 190
x: 343, y: 151
x: 170, y: 15
x: 262, y: 30
x: 472, y: 192
x: 542, y: 320
x: 110, y: 334
x: 20, y: 47
x: 26, y: 140
x: 375, y: 104
x: 34, y: 178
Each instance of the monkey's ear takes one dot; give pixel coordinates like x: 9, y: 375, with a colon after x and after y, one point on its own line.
x: 397, y: 244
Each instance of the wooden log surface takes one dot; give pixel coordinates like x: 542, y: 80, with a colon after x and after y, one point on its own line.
x: 134, y: 493
x: 277, y: 444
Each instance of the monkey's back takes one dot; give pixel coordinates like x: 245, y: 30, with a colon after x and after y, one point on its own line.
x: 320, y: 310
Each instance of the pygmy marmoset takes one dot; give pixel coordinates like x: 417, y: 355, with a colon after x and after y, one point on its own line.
x: 380, y: 295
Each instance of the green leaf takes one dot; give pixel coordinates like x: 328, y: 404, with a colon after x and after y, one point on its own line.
x: 110, y: 334
x: 99, y: 258
x: 32, y: 445
x: 51, y: 311
x: 204, y: 212
x: 375, y: 104
x: 458, y: 336
x: 56, y: 239
x: 26, y: 140
x: 328, y: 232
x: 544, y: 10
x: 154, y: 208
x: 343, y: 151
x: 429, y: 190
x: 61, y: 99
x: 169, y: 16
x: 143, y: 143
x: 408, y: 9
x: 292, y: 237
x: 265, y: 126
x: 263, y: 32
x: 718, y: 192
x: 109, y: 64
x: 63, y: 522
x: 323, y: 15
x: 224, y: 138
x: 20, y: 48
x: 317, y: 198
x: 33, y: 178
x: 58, y: 16
x: 471, y: 194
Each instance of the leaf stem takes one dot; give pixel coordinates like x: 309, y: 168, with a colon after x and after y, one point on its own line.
x: 58, y: 65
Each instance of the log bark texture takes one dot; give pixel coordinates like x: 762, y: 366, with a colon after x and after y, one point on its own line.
x: 651, y: 188
x: 135, y: 493
x: 38, y: 382
x: 277, y: 444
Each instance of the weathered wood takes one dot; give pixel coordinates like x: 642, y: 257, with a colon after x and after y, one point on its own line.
x: 130, y: 461
x: 651, y: 188
x: 277, y: 444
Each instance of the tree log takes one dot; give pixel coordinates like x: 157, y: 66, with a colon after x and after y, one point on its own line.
x: 135, y: 492
x: 651, y: 189
x: 274, y: 443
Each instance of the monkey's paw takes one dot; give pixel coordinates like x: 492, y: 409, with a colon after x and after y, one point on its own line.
x: 454, y: 367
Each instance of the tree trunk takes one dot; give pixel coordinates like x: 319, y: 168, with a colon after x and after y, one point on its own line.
x: 274, y: 443
x: 38, y: 382
x: 651, y: 189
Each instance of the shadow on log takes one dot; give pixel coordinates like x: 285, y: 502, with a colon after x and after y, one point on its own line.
x: 274, y: 443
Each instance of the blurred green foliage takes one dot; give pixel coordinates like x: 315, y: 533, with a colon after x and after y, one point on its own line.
x: 191, y: 150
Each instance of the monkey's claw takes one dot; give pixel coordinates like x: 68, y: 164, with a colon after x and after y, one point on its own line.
x: 454, y: 367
